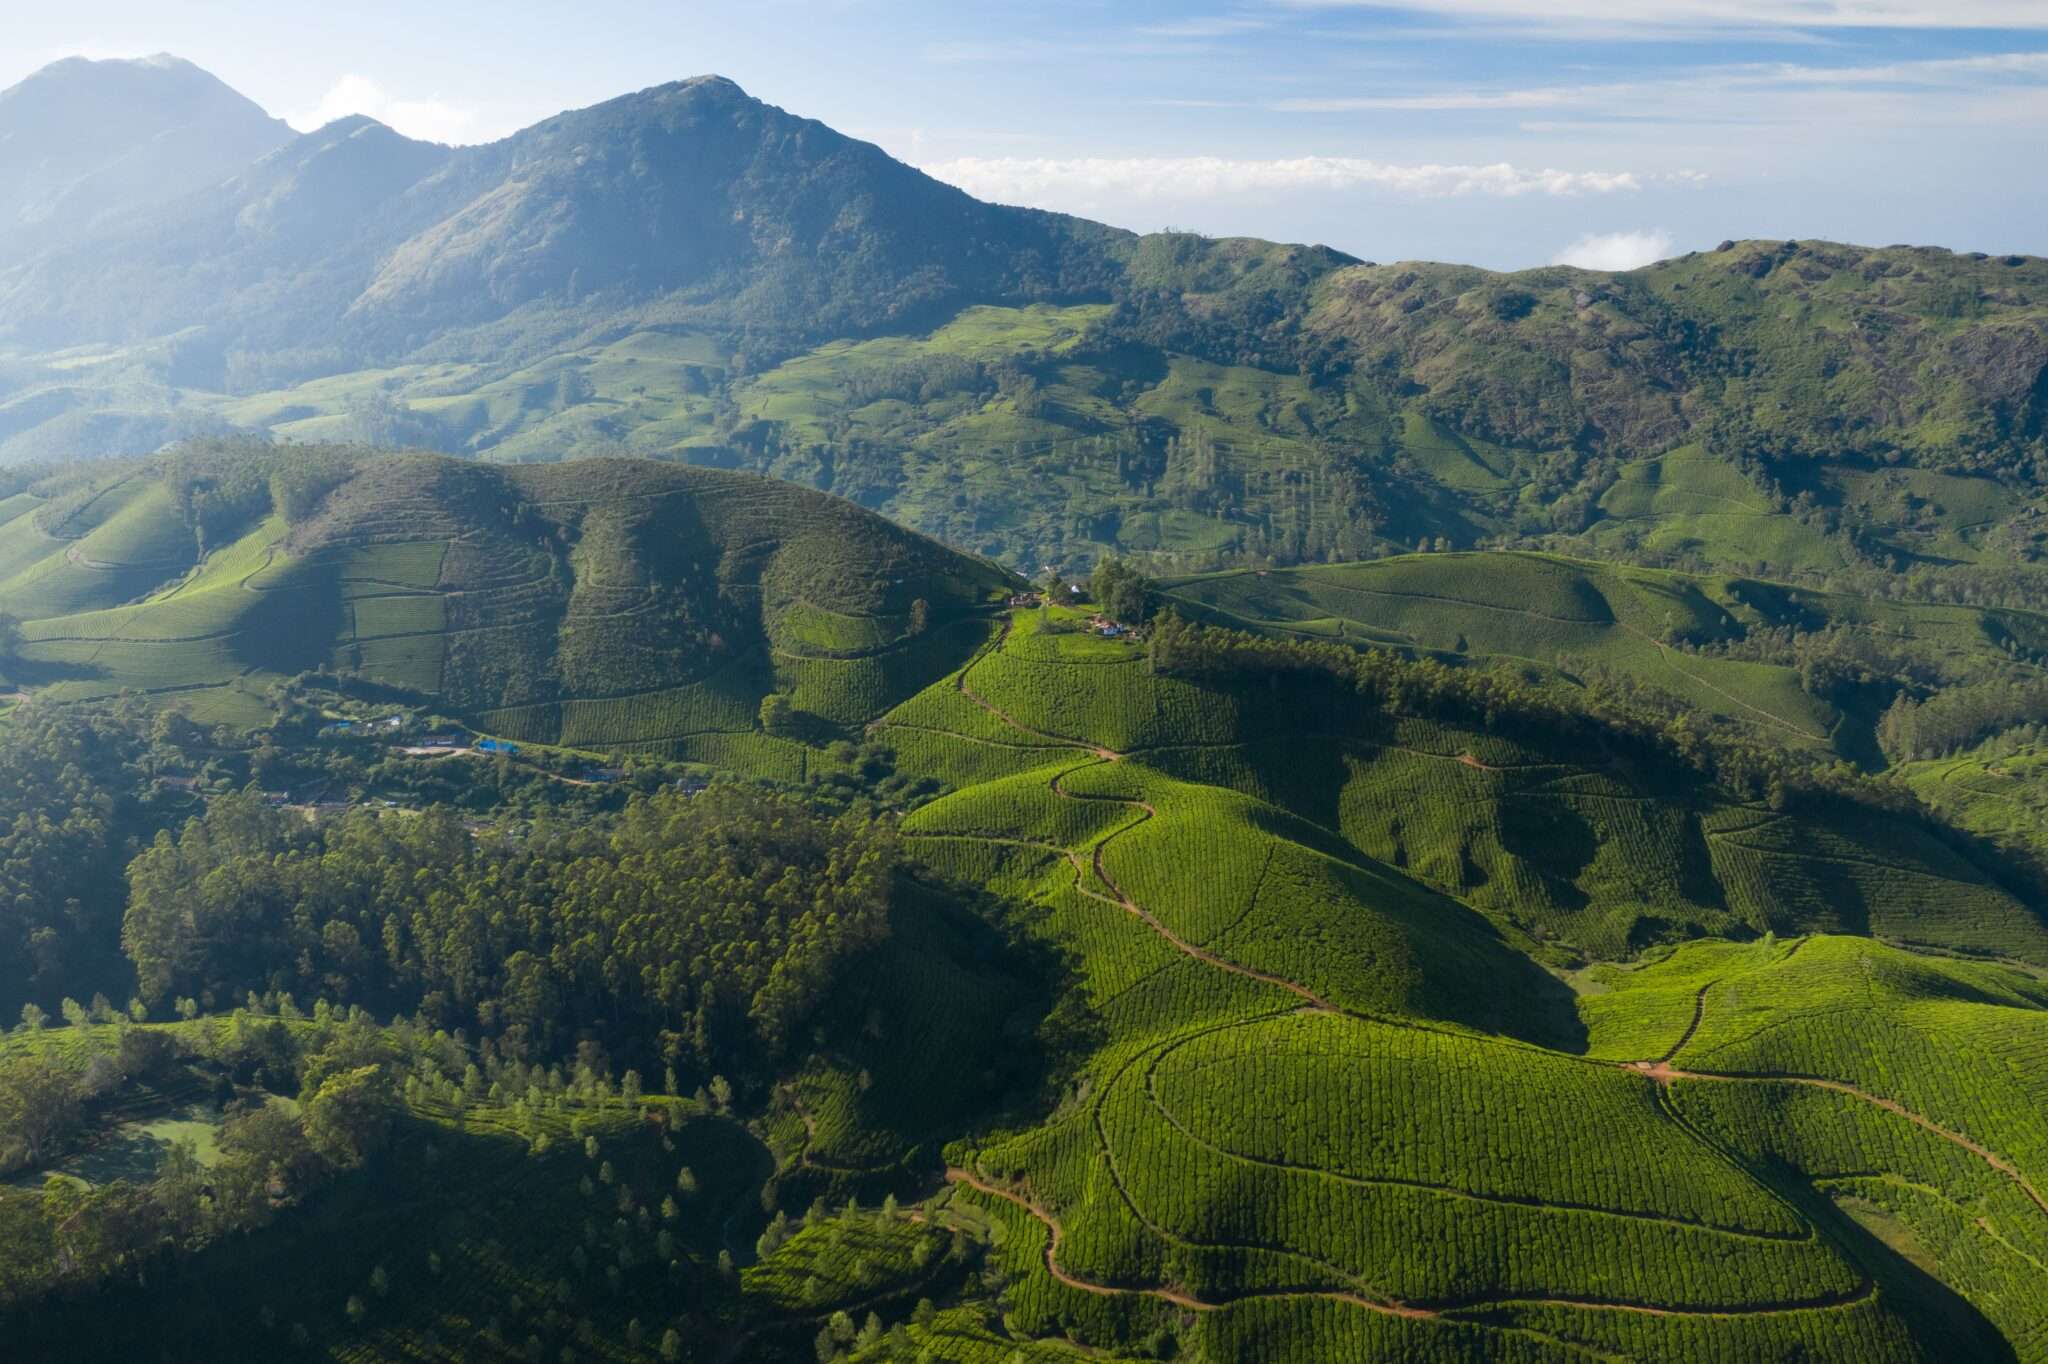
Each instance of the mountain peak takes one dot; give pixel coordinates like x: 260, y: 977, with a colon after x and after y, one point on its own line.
x: 83, y: 138
x: 161, y: 69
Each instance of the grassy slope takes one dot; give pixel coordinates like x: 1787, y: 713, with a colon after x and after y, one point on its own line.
x: 1302, y: 1046
x: 1892, y: 385
x: 1567, y: 614
x: 1275, y: 909
x: 618, y: 604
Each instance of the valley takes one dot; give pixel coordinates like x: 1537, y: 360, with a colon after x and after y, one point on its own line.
x: 664, y: 738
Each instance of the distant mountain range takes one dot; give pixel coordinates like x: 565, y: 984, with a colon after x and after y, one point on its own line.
x: 357, y: 237
x: 85, y: 142
x: 687, y: 272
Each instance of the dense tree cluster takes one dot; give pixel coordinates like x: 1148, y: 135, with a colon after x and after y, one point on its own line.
x: 1958, y: 718
x: 718, y: 919
x: 1122, y: 592
x: 269, y: 1155
x: 68, y: 808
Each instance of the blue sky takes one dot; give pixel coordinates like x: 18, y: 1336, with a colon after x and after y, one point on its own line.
x: 1506, y: 133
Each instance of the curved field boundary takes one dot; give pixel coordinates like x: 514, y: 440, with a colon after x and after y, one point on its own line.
x: 1664, y: 652
x: 956, y: 1175
x: 1664, y: 1073
x: 1699, y: 1011
x: 1595, y: 621
x: 874, y: 725
x: 1529, y: 1201
x: 1122, y: 900
x: 1660, y: 1072
x: 1061, y: 740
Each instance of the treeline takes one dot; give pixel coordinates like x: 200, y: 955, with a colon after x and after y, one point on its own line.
x: 72, y: 805
x: 714, y: 922
x: 1958, y: 718
x: 1830, y: 660
x: 223, y: 486
x: 1610, y: 709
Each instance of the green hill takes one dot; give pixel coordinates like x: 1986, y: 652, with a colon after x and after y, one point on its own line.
x: 1038, y: 388
x: 612, y: 604
x: 1214, y: 1013
x: 1333, y: 1110
x: 1806, y: 668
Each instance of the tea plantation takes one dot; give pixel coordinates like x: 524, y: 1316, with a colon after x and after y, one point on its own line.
x: 1201, y: 1013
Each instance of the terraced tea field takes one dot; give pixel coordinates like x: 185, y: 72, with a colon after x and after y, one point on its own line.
x: 652, y: 611
x: 1569, y: 617
x: 1333, y: 1105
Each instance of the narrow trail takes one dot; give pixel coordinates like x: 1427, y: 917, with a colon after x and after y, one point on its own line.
x: 1392, y: 1308
x: 1121, y: 898
x: 956, y: 1175
x: 1664, y: 652
x: 1660, y: 1072
x: 1059, y: 740
x: 1664, y: 1073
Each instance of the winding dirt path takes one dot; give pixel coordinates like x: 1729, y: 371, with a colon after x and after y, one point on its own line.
x: 1121, y: 898
x: 1664, y: 1073
x: 956, y: 1175
x: 1108, y: 755
x: 1660, y: 1072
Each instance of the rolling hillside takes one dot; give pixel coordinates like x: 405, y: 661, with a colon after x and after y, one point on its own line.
x: 1689, y: 636
x: 687, y: 273
x: 608, y: 604
x: 1232, y: 1016
x: 1334, y: 1112
x: 1548, y: 865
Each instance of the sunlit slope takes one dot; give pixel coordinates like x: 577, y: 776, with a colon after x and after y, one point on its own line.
x: 1333, y: 1107
x: 1578, y: 617
x: 608, y: 604
x: 1902, y: 1090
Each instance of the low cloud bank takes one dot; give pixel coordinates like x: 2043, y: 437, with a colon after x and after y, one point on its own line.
x: 1030, y: 180
x: 1616, y: 250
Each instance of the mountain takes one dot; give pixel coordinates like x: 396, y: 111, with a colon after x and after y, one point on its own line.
x: 82, y: 141
x: 1547, y: 863
x: 691, y: 197
x: 688, y: 273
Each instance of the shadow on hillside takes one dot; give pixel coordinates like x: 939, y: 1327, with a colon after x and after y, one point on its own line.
x: 965, y: 1016
x: 496, y: 1218
x: 1938, y: 1317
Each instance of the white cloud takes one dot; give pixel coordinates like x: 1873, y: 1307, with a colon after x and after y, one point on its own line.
x: 1032, y: 180
x: 1725, y: 14
x: 1219, y: 26
x: 1616, y: 250
x: 430, y: 120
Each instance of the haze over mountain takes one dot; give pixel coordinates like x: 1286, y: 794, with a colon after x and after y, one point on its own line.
x: 672, y: 273
x: 81, y: 141
x: 354, y: 236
